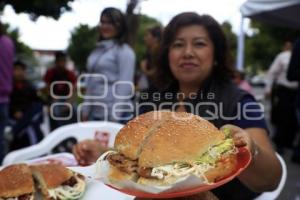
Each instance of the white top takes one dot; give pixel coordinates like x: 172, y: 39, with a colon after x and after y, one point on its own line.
x: 278, y: 72
x: 110, y: 69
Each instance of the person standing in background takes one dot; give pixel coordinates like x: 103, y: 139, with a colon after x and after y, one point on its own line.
x: 110, y: 71
x: 239, y: 79
x: 25, y: 110
x: 7, y: 53
x: 283, y: 96
x: 63, y: 82
x: 148, y: 64
x: 294, y: 75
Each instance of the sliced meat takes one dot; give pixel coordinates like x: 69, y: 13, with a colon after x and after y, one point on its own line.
x: 71, y: 182
x: 129, y: 166
x: 145, y: 172
x: 122, y: 163
x: 80, y: 176
x: 25, y: 197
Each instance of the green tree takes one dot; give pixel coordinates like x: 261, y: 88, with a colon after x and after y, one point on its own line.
x: 132, y: 20
x: 36, y: 8
x: 22, y: 50
x: 83, y: 40
x: 266, y: 42
x: 231, y: 39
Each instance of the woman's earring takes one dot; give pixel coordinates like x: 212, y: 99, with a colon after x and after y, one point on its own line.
x: 215, y: 63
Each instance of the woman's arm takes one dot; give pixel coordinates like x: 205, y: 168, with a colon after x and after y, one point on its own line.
x: 264, y: 171
x: 88, y: 151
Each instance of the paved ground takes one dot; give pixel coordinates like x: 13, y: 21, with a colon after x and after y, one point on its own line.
x: 291, y: 190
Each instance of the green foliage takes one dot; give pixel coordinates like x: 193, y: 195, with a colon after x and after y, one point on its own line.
x: 21, y: 48
x: 36, y: 8
x: 231, y: 38
x: 23, y: 52
x: 266, y: 42
x: 83, y: 40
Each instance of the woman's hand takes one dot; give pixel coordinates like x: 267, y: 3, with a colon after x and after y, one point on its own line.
x: 88, y: 151
x: 241, y: 138
x: 264, y: 172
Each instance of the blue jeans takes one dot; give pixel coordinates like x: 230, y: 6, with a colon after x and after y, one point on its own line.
x: 3, y: 122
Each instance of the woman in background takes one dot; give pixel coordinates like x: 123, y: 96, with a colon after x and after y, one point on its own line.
x: 148, y: 64
x: 110, y: 67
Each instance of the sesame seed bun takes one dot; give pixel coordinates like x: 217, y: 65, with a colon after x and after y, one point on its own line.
x: 182, y: 137
x: 51, y: 175
x: 136, y: 132
x: 16, y: 180
x: 162, y: 138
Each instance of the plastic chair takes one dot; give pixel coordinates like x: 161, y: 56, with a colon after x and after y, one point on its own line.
x: 272, y: 195
x: 45, y: 125
x: 79, y: 131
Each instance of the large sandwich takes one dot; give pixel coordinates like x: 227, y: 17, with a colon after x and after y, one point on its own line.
x: 162, y: 148
x: 16, y: 183
x: 58, y: 183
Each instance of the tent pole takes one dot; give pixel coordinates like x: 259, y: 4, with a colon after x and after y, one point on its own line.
x: 240, y: 52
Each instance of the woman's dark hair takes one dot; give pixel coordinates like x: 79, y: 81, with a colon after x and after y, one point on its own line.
x: 156, y: 31
x: 222, y: 69
x: 116, y: 17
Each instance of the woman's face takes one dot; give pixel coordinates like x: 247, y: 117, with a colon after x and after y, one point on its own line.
x: 107, y: 29
x: 149, y: 39
x: 191, y: 55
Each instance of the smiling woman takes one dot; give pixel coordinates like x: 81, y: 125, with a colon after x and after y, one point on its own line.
x: 112, y: 61
x: 194, y: 60
x: 191, y: 55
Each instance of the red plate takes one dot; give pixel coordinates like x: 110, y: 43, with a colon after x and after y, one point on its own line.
x: 243, y: 158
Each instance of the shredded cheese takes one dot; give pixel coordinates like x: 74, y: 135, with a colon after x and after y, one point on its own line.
x: 169, y: 171
x: 197, y: 168
x: 66, y: 192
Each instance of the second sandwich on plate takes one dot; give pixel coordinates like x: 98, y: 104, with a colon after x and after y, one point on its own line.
x: 57, y: 182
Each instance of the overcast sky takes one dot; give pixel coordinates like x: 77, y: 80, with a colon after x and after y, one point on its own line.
x: 47, y: 33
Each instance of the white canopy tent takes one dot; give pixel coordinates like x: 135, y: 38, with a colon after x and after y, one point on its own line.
x: 277, y: 12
